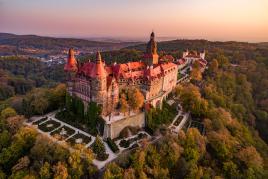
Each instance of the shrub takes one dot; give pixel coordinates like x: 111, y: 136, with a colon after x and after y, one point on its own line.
x: 124, y: 143
x: 99, y: 149
x: 112, y: 145
x: 142, y: 135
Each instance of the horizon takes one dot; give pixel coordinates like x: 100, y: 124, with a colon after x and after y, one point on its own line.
x: 212, y: 20
x: 131, y: 39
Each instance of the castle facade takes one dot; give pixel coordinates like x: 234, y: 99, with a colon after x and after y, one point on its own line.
x: 100, y: 83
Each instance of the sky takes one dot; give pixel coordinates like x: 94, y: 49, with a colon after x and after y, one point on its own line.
x: 240, y: 20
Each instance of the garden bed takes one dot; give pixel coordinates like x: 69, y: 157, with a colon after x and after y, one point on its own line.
x: 85, y: 139
x: 63, y: 132
x: 177, y: 122
x: 39, y: 121
x: 49, y: 126
x: 126, y: 143
x: 112, y: 145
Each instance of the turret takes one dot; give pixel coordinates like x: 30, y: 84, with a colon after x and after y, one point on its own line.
x: 152, y: 46
x: 185, y: 53
x: 71, y: 65
x: 98, y: 80
x: 202, y: 54
x: 151, y: 56
x: 98, y: 70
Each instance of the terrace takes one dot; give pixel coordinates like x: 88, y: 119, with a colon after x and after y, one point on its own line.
x: 62, y: 132
x: 179, y: 121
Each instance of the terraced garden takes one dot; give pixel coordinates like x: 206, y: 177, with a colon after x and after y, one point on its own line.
x: 40, y: 121
x: 49, y: 126
x: 126, y: 143
x: 63, y: 133
x: 79, y: 139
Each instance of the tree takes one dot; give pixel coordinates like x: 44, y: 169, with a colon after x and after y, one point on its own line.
x: 92, y: 116
x: 113, y: 171
x: 129, y: 173
x: 22, y: 163
x: 45, y: 172
x: 39, y: 105
x: 230, y: 170
x: 74, y: 161
x: 14, y: 123
x: 138, y: 161
x: 250, y: 157
x: 214, y: 66
x: 57, y: 98
x: 68, y: 102
x: 2, y: 174
x: 124, y: 104
x: 5, y: 139
x: 99, y: 149
x: 23, y: 141
x: 194, y: 145
x: 60, y: 171
x: 223, y: 61
x: 191, y: 100
x: 196, y: 73
x: 135, y: 99
x: 8, y: 112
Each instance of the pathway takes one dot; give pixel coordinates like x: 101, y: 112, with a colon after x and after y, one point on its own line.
x: 99, y: 164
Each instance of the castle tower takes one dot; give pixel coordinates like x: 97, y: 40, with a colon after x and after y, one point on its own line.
x: 71, y: 65
x: 98, y: 81
x: 151, y: 56
x: 185, y: 53
x: 203, y: 54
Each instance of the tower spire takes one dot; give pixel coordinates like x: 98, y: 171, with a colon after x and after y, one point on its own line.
x: 98, y: 57
x: 151, y: 51
x: 152, y: 35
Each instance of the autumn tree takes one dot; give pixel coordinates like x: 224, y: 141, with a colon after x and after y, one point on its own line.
x: 129, y: 173
x: 213, y: 66
x: 135, y: 99
x: 22, y: 163
x: 191, y: 100
x: 60, y: 171
x: 14, y: 123
x: 250, y: 157
x: 113, y: 171
x: 45, y: 171
x: 194, y: 145
x: 123, y: 104
x: 196, y: 73
x: 75, y: 162
x: 8, y: 112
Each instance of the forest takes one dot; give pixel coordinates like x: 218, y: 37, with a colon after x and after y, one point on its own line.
x: 11, y: 44
x: 230, y: 98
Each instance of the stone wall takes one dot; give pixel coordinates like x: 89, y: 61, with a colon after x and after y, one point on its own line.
x: 113, y: 130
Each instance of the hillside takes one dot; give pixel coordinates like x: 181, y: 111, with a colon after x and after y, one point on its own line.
x: 37, y: 45
x: 230, y: 100
x: 203, y: 44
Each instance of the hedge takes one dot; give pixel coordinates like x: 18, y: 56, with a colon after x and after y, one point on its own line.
x: 112, y: 145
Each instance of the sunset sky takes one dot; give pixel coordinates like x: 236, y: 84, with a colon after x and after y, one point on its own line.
x: 243, y: 20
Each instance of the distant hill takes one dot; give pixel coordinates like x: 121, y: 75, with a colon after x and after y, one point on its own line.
x: 200, y: 45
x: 11, y: 44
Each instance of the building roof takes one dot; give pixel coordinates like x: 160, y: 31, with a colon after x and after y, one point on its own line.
x: 169, y: 58
x: 181, y: 61
x: 94, y: 69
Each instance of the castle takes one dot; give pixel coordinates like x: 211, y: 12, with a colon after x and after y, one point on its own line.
x: 100, y: 83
